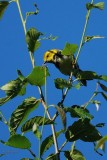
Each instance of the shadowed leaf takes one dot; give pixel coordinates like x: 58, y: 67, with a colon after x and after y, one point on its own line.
x: 104, y: 88
x: 62, y: 115
x: 83, y: 130
x: 22, y: 112
x: 3, y: 6
x: 74, y: 155
x: 104, y: 95
x: 48, y: 142
x: 62, y: 83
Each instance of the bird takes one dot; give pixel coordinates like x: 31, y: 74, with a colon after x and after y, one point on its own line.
x: 65, y: 63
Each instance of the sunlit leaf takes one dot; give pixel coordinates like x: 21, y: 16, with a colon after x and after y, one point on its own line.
x: 36, y: 130
x: 32, y: 36
x: 3, y: 6
x: 12, y: 89
x: 18, y: 141
x: 62, y: 115
x: 62, y: 83
x: 89, y: 38
x: 101, y: 143
x: 69, y: 49
x: 104, y: 77
x: 48, y: 142
x: 37, y: 119
x: 84, y: 130
x: 22, y: 112
x: 99, y: 5
x: 38, y: 76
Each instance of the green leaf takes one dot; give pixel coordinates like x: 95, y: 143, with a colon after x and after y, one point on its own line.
x: 104, y: 77
x: 18, y: 141
x: 89, y: 38
x: 32, y: 36
x: 62, y: 83
x: 104, y: 88
x: 1, y: 155
x: 83, y: 130
x: 3, y: 6
x: 4, y: 100
x: 69, y: 49
x: 33, y: 13
x: 99, y: 5
x: 36, y: 131
x: 52, y: 157
x: 79, y: 112
x: 22, y: 112
x: 74, y: 155
x: 62, y: 115
x: 38, y: 76
x: 20, y: 75
x: 38, y: 119
x: 48, y: 142
x: 101, y: 143
x: 12, y: 89
x: 100, y: 125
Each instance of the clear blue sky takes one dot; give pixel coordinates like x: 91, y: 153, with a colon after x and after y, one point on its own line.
x: 64, y: 19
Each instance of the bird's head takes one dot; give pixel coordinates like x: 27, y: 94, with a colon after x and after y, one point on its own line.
x: 49, y: 56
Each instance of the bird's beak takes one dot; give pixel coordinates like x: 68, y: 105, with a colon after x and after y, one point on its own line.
x: 44, y: 64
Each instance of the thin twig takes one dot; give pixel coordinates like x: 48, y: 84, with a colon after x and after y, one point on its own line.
x: 32, y: 153
x: 39, y: 88
x: 83, y: 34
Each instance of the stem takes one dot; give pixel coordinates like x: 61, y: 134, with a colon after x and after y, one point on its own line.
x: 83, y: 34
x: 4, y: 119
x: 52, y: 126
x: 39, y: 88
x: 95, y: 93
x: 25, y: 31
x: 73, y: 147
x: 79, y: 50
x: 63, y: 145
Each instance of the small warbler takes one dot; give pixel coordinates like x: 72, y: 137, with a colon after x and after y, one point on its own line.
x: 65, y: 63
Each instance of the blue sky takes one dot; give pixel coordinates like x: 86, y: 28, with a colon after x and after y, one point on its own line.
x: 64, y: 19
